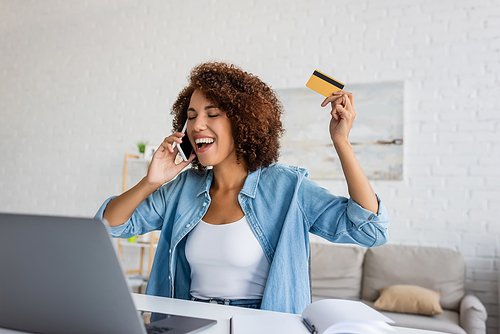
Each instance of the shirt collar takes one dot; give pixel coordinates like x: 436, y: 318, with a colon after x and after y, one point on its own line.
x: 251, y: 183
x: 249, y: 188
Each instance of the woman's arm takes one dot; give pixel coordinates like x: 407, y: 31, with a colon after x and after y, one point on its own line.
x: 121, y: 208
x: 343, y: 115
x: 161, y: 170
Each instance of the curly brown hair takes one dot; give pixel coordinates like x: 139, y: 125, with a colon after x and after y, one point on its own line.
x: 251, y: 105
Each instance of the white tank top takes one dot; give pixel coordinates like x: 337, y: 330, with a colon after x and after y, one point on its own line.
x: 226, y: 261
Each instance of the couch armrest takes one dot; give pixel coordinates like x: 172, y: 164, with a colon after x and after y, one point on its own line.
x: 473, y: 315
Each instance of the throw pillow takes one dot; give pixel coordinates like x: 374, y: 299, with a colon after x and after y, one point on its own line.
x: 409, y: 299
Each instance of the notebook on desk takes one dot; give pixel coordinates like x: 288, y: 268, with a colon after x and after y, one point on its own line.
x: 61, y: 275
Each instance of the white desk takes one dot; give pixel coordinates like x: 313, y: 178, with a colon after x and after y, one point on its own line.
x: 221, y: 313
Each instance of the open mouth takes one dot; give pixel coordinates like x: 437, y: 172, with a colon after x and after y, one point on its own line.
x: 203, y: 143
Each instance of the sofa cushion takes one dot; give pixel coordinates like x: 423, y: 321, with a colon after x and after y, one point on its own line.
x: 404, y: 298
x: 434, y: 268
x: 336, y: 271
x: 446, y: 322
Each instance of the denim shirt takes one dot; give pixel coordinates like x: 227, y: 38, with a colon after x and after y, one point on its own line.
x: 281, y: 205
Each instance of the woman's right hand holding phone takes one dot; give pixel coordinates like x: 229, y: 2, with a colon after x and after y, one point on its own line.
x: 161, y: 170
x: 162, y: 167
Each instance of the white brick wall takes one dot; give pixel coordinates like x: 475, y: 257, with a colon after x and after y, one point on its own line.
x: 82, y: 82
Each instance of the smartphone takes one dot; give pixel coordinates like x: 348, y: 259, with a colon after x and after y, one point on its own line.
x: 185, y: 148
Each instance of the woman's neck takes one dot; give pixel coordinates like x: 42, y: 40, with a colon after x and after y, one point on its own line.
x: 229, y: 176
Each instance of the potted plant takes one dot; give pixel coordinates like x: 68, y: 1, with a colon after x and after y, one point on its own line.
x: 142, y: 148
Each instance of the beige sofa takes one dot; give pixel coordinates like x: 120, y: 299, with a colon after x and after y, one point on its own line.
x: 352, y: 272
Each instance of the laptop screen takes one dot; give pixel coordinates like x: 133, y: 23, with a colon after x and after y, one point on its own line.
x: 62, y: 275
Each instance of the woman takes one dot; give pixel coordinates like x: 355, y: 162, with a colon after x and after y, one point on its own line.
x: 238, y: 233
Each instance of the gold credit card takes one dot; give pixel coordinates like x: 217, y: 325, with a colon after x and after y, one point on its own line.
x: 324, y: 84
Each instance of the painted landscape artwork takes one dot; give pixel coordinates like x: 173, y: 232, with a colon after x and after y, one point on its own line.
x: 376, y: 136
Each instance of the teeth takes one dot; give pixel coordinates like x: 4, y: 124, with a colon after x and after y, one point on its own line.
x: 204, y: 141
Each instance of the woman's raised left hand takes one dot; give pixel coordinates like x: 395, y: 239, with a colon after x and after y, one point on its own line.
x: 343, y: 115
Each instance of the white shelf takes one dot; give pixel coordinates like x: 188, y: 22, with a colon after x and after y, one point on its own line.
x: 137, y: 244
x: 138, y: 160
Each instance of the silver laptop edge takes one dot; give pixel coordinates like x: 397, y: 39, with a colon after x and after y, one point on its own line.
x: 62, y: 275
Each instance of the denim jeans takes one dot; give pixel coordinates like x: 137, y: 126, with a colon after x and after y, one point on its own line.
x: 248, y: 303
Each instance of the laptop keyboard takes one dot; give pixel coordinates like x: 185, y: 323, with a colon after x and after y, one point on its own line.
x: 152, y: 329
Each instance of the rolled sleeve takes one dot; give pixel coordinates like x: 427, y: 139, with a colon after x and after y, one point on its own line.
x: 100, y: 212
x: 369, y: 222
x: 342, y: 220
x: 144, y: 219
x: 115, y: 231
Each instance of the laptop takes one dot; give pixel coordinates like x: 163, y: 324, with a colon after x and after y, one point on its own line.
x: 62, y: 275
